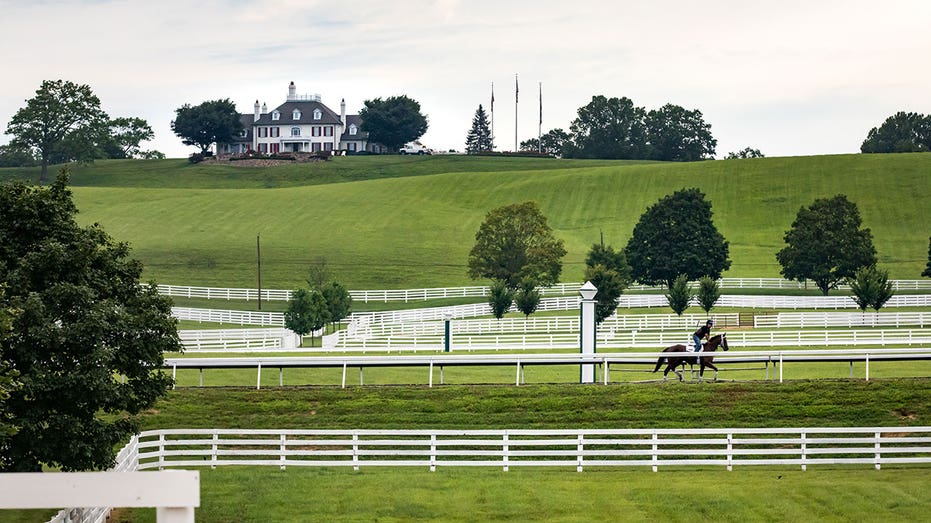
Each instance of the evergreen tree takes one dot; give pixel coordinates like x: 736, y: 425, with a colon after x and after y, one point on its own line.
x: 610, y: 273
x: 500, y: 297
x: 479, y: 137
x: 527, y: 298
x: 679, y: 294
x: 708, y: 292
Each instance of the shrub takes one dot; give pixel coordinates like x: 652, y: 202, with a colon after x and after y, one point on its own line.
x: 195, y: 158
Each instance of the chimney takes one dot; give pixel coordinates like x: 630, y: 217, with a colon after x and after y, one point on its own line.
x: 256, y: 116
x: 264, y: 108
x: 292, y: 91
x: 342, y: 112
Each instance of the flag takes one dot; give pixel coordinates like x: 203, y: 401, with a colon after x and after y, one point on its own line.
x: 516, y: 89
x: 492, y: 97
x: 541, y: 103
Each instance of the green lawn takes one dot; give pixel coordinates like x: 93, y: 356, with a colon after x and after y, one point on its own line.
x: 396, y: 222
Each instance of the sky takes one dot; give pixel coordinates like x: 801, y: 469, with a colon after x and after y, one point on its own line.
x: 789, y: 78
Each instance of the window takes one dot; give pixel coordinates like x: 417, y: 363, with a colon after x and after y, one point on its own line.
x: 353, y: 130
x: 315, y: 131
x: 296, y: 115
x: 329, y: 131
x: 295, y: 131
x: 244, y: 133
x: 263, y: 147
x: 276, y: 115
x: 328, y: 146
x: 276, y: 131
x: 352, y: 146
x: 316, y: 147
x: 318, y: 114
x: 275, y: 147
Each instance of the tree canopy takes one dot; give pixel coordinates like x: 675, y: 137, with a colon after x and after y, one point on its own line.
x: 125, y: 137
x: 900, y: 133
x: 393, y: 121
x: 62, y: 122
x: 515, y: 242
x: 609, y: 272
x: 479, y: 137
x: 213, y: 121
x: 826, y: 243
x: 677, y: 236
x: 871, y: 287
x: 554, y: 143
x: 679, y: 135
x: 87, y: 340
x: 8, y: 382
x: 679, y: 294
x: 307, y: 312
x: 746, y: 152
x: 608, y: 128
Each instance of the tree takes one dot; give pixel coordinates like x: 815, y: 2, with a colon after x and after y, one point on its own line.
x: 515, y: 242
x: 8, y: 381
x: 13, y: 156
x: 500, y: 297
x: 708, y: 293
x: 744, y: 153
x: 393, y: 121
x: 826, y: 244
x: 306, y: 313
x: 900, y: 133
x: 338, y: 301
x: 213, y: 121
x: 88, y: 338
x: 527, y: 298
x: 608, y: 128
x: 318, y: 273
x: 63, y: 120
x: 679, y: 294
x: 871, y: 288
x: 554, y: 143
x: 927, y: 271
x: 677, y: 236
x: 609, y: 272
x: 479, y: 137
x: 678, y: 135
x: 124, y: 137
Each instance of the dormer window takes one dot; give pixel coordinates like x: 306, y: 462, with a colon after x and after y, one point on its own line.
x: 276, y: 115
x: 318, y: 114
x: 296, y: 115
x: 244, y: 133
x: 353, y: 130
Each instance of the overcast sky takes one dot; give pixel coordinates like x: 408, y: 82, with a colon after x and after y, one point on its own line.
x: 789, y: 78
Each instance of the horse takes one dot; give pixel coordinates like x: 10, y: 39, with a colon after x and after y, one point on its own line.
x: 706, y: 361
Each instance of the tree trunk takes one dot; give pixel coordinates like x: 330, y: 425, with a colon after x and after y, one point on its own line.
x: 43, y: 175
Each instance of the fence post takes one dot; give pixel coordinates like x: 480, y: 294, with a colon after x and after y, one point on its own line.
x: 655, y: 459
x: 877, y: 446
x: 161, y: 452
x: 804, y: 457
x: 580, y: 449
x: 730, y: 450
x: 432, y: 452
x: 355, y: 451
x: 867, y: 366
x: 283, y: 450
x: 504, y: 440
x: 213, y: 455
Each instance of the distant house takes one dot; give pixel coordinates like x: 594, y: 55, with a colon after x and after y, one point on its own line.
x: 301, y: 124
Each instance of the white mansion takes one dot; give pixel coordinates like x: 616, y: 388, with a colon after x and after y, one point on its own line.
x: 301, y: 124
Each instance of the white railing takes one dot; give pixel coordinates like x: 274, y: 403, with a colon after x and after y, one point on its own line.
x: 506, y: 448
x: 476, y: 291
x: 842, y: 319
x: 243, y: 339
x: 275, y: 319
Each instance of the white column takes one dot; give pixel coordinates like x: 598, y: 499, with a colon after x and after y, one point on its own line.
x: 587, y: 330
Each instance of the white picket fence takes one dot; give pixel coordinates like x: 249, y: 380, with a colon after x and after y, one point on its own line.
x: 506, y: 448
x: 212, y: 340
x: 560, y: 289
x: 842, y: 319
x: 275, y: 319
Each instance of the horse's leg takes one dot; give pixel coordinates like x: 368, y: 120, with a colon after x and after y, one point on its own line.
x: 709, y: 364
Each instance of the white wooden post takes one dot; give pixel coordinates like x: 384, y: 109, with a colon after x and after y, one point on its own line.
x: 804, y: 457
x: 432, y: 452
x: 587, y: 330
x: 730, y: 451
x: 655, y: 455
x: 283, y: 449
x: 258, y: 376
x: 578, y: 467
x: 355, y: 452
x: 876, y: 446
x: 504, y: 441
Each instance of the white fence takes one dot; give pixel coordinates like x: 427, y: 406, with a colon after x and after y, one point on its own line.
x: 275, y: 319
x: 842, y: 319
x: 560, y: 289
x: 238, y: 339
x: 574, y: 448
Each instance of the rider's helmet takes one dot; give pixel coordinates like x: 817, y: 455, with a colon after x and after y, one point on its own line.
x: 709, y: 323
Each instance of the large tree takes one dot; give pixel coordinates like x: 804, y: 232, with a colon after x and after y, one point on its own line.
x: 213, y: 121
x: 88, y: 339
x: 826, y: 243
x: 609, y: 272
x: 677, y: 236
x: 871, y: 287
x: 62, y: 121
x: 393, y: 121
x: 743, y: 154
x: 338, y: 301
x: 8, y: 381
x: 608, y: 128
x: 479, y: 137
x: 515, y: 242
x: 678, y: 135
x: 125, y: 136
x: 900, y: 133
x: 307, y: 313
x: 554, y: 143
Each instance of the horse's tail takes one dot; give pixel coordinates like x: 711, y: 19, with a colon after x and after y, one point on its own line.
x: 659, y: 363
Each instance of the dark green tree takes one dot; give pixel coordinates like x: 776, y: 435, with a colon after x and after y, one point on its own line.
x: 871, y: 287
x: 708, y: 293
x: 13, y: 156
x: 515, y: 242
x: 527, y: 298
x: 609, y: 272
x: 338, y: 301
x: 679, y: 294
x: 554, y: 143
x: 62, y: 121
x: 608, y: 128
x: 125, y: 136
x: 500, y: 297
x: 213, y: 121
x: 927, y: 271
x: 88, y: 339
x: 826, y: 244
x: 307, y: 313
x: 393, y: 121
x: 900, y: 133
x: 479, y: 137
x: 678, y: 135
x: 677, y: 236
x: 747, y: 152
x: 8, y: 381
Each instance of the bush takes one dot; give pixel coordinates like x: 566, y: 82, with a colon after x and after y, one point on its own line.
x: 195, y: 158
x: 519, y: 154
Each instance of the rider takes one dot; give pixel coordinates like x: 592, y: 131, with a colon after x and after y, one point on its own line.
x: 703, y: 332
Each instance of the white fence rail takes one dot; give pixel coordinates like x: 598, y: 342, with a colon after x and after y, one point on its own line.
x: 238, y: 339
x: 842, y: 319
x: 574, y: 448
x: 561, y: 289
x: 274, y: 319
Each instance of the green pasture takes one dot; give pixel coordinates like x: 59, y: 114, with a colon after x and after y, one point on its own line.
x: 394, y: 222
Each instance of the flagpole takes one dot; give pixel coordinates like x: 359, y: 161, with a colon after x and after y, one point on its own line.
x: 492, y: 116
x: 540, y: 125
x: 516, y: 96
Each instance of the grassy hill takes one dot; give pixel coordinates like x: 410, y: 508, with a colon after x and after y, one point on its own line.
x: 389, y: 222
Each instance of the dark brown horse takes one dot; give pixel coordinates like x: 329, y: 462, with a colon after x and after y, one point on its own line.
x: 672, y: 362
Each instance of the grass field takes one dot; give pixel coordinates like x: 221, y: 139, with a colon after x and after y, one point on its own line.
x: 391, y: 222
